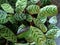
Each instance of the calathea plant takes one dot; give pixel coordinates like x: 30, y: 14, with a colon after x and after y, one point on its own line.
x: 26, y: 22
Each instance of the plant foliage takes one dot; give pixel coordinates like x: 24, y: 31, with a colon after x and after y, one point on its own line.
x: 26, y: 22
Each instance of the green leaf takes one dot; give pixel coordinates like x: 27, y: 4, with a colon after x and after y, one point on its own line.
x: 50, y: 42
x: 33, y: 9
x: 3, y: 17
x: 40, y: 25
x: 34, y: 1
x: 21, y: 5
x: 49, y: 10
x: 37, y: 35
x: 21, y: 44
x: 23, y: 31
x: 3, y: 14
x: 42, y: 18
x: 11, y: 18
x: 53, y: 20
x: 51, y: 34
x: 23, y: 35
x: 57, y: 34
x: 8, y: 34
x: 20, y: 17
x: 52, y: 26
x: 29, y: 18
x: 7, y: 7
x: 3, y: 21
x: 45, y: 2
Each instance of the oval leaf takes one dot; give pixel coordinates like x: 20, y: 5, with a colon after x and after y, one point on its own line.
x: 21, y: 5
x: 40, y: 25
x: 33, y: 9
x: 7, y: 7
x: 49, y: 10
x: 20, y: 17
x: 8, y: 34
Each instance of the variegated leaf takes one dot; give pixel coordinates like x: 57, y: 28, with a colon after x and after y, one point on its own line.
x: 29, y: 18
x: 49, y: 10
x: 53, y: 20
x: 33, y: 9
x: 37, y: 35
x: 45, y: 2
x: 51, y: 34
x: 21, y: 5
x: 50, y: 42
x: 20, y: 17
x: 40, y: 25
x: 8, y: 34
x: 7, y: 7
x: 11, y: 18
x: 42, y: 18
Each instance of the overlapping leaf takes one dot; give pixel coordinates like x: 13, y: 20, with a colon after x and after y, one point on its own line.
x: 21, y: 5
x: 52, y: 33
x: 52, y: 26
x: 20, y: 28
x: 11, y: 18
x: 50, y: 42
x: 7, y: 34
x: 3, y: 14
x: 33, y: 9
x: 49, y: 10
x: 21, y: 44
x: 42, y: 18
x: 3, y: 17
x: 7, y: 7
x: 40, y: 25
x: 37, y: 35
x: 20, y: 17
x: 45, y: 2
x: 29, y: 18
x: 53, y: 20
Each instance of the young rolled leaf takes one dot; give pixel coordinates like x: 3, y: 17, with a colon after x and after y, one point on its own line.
x: 21, y: 5
x: 49, y: 10
x: 40, y: 25
x: 20, y: 28
x: 53, y: 20
x: 20, y: 17
x: 8, y: 34
x: 51, y: 34
x: 33, y: 9
x: 37, y: 35
x: 7, y: 7
x: 29, y: 18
